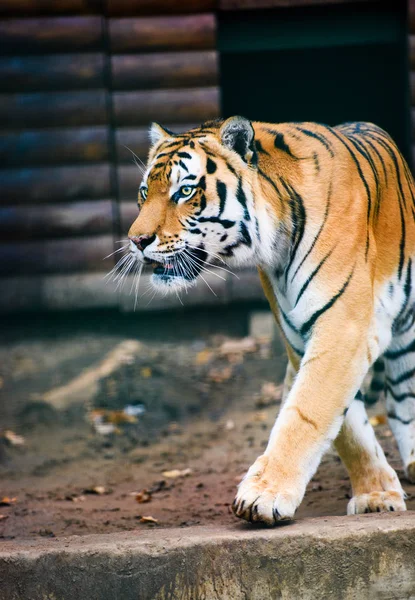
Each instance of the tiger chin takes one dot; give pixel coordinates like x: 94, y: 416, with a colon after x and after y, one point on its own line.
x: 327, y: 215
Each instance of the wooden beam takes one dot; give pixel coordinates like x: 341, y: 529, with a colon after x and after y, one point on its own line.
x: 189, y: 32
x: 55, y: 184
x: 52, y: 146
x: 54, y: 109
x: 129, y: 179
x: 157, y: 7
x: 180, y: 106
x: 51, y: 34
x: 128, y: 214
x: 26, y: 8
x: 56, y: 256
x: 56, y: 220
x: 60, y: 71
x: 164, y: 70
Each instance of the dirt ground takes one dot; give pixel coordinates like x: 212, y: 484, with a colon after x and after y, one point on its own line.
x: 208, y: 402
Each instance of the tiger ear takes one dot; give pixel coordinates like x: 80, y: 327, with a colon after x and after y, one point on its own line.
x: 157, y: 132
x: 237, y: 134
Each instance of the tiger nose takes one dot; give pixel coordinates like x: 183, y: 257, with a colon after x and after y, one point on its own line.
x: 142, y: 241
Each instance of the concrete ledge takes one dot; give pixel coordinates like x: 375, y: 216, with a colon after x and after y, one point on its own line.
x: 362, y: 557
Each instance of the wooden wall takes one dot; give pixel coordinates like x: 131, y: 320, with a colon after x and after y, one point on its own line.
x: 81, y: 80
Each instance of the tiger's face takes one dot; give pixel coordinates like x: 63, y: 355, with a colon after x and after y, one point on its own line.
x: 196, y: 202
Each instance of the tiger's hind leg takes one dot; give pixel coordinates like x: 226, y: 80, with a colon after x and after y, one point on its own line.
x: 376, y: 487
x: 400, y: 392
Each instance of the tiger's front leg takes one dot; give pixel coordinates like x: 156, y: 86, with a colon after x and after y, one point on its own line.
x: 329, y: 376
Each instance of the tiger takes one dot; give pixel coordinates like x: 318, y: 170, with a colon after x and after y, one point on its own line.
x: 327, y: 216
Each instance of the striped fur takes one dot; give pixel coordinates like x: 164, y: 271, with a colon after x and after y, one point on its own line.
x: 328, y: 217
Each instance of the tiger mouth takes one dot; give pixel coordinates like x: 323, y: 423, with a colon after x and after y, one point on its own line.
x: 188, y: 265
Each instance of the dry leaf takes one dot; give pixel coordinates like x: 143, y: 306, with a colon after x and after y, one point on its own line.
x: 148, y: 520
x: 6, y: 501
x: 145, y: 372
x: 220, y: 375
x: 378, y: 420
x: 229, y: 425
x: 143, y: 496
x: 203, y: 357
x: 269, y: 394
x: 260, y: 416
x: 2, y: 517
x: 242, y: 346
x: 12, y: 438
x: 97, y: 489
x: 175, y: 473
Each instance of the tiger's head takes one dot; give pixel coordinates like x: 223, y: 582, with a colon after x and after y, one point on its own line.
x: 196, y: 201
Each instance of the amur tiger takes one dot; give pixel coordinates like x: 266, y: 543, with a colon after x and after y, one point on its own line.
x: 327, y: 214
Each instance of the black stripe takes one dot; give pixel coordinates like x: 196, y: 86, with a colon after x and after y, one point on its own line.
x: 184, y: 155
x: 183, y: 166
x: 246, y: 238
x: 221, y: 190
x: 224, y: 222
x: 309, y: 324
x: 379, y: 366
x: 319, y: 137
x: 407, y: 291
x: 311, y: 277
x: 280, y: 143
x: 192, y: 177
x: 298, y: 215
x: 376, y: 385
x: 260, y: 148
x: 240, y: 196
x: 404, y: 377
x: 394, y: 354
x: 405, y: 422
x: 210, y: 166
x: 399, y: 397
x: 318, y: 234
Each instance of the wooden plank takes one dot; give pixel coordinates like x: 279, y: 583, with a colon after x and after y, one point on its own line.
x: 137, y: 140
x: 57, y: 72
x: 156, y: 7
x: 26, y: 8
x: 56, y: 220
x: 51, y: 34
x: 129, y: 179
x: 25, y: 186
x: 412, y: 51
x: 51, y: 146
x: 55, y: 256
x: 180, y: 106
x: 57, y: 292
x: 54, y: 109
x: 164, y: 70
x: 128, y: 214
x: 189, y: 32
x: 258, y: 4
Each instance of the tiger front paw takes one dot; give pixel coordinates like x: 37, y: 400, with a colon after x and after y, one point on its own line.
x: 261, y: 498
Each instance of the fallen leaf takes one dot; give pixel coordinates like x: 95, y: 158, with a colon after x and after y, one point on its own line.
x: 260, y: 416
x: 229, y: 425
x: 97, y: 489
x: 143, y: 496
x: 6, y: 501
x: 12, y: 438
x: 378, y: 420
x: 269, y: 394
x: 75, y: 498
x: 242, y: 346
x: 2, y: 517
x: 148, y: 520
x: 220, y: 375
x: 203, y: 357
x: 175, y: 473
x: 146, y: 372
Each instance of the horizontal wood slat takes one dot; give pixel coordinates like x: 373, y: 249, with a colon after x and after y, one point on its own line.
x: 61, y: 71
x: 190, y: 32
x: 54, y: 109
x: 180, y: 106
x: 164, y: 70
x: 54, y: 184
x: 53, y: 220
x: 137, y: 140
x: 49, y: 256
x: 57, y: 292
x: 49, y: 7
x: 129, y: 179
x: 49, y: 146
x: 128, y: 214
x: 156, y: 7
x: 51, y: 34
